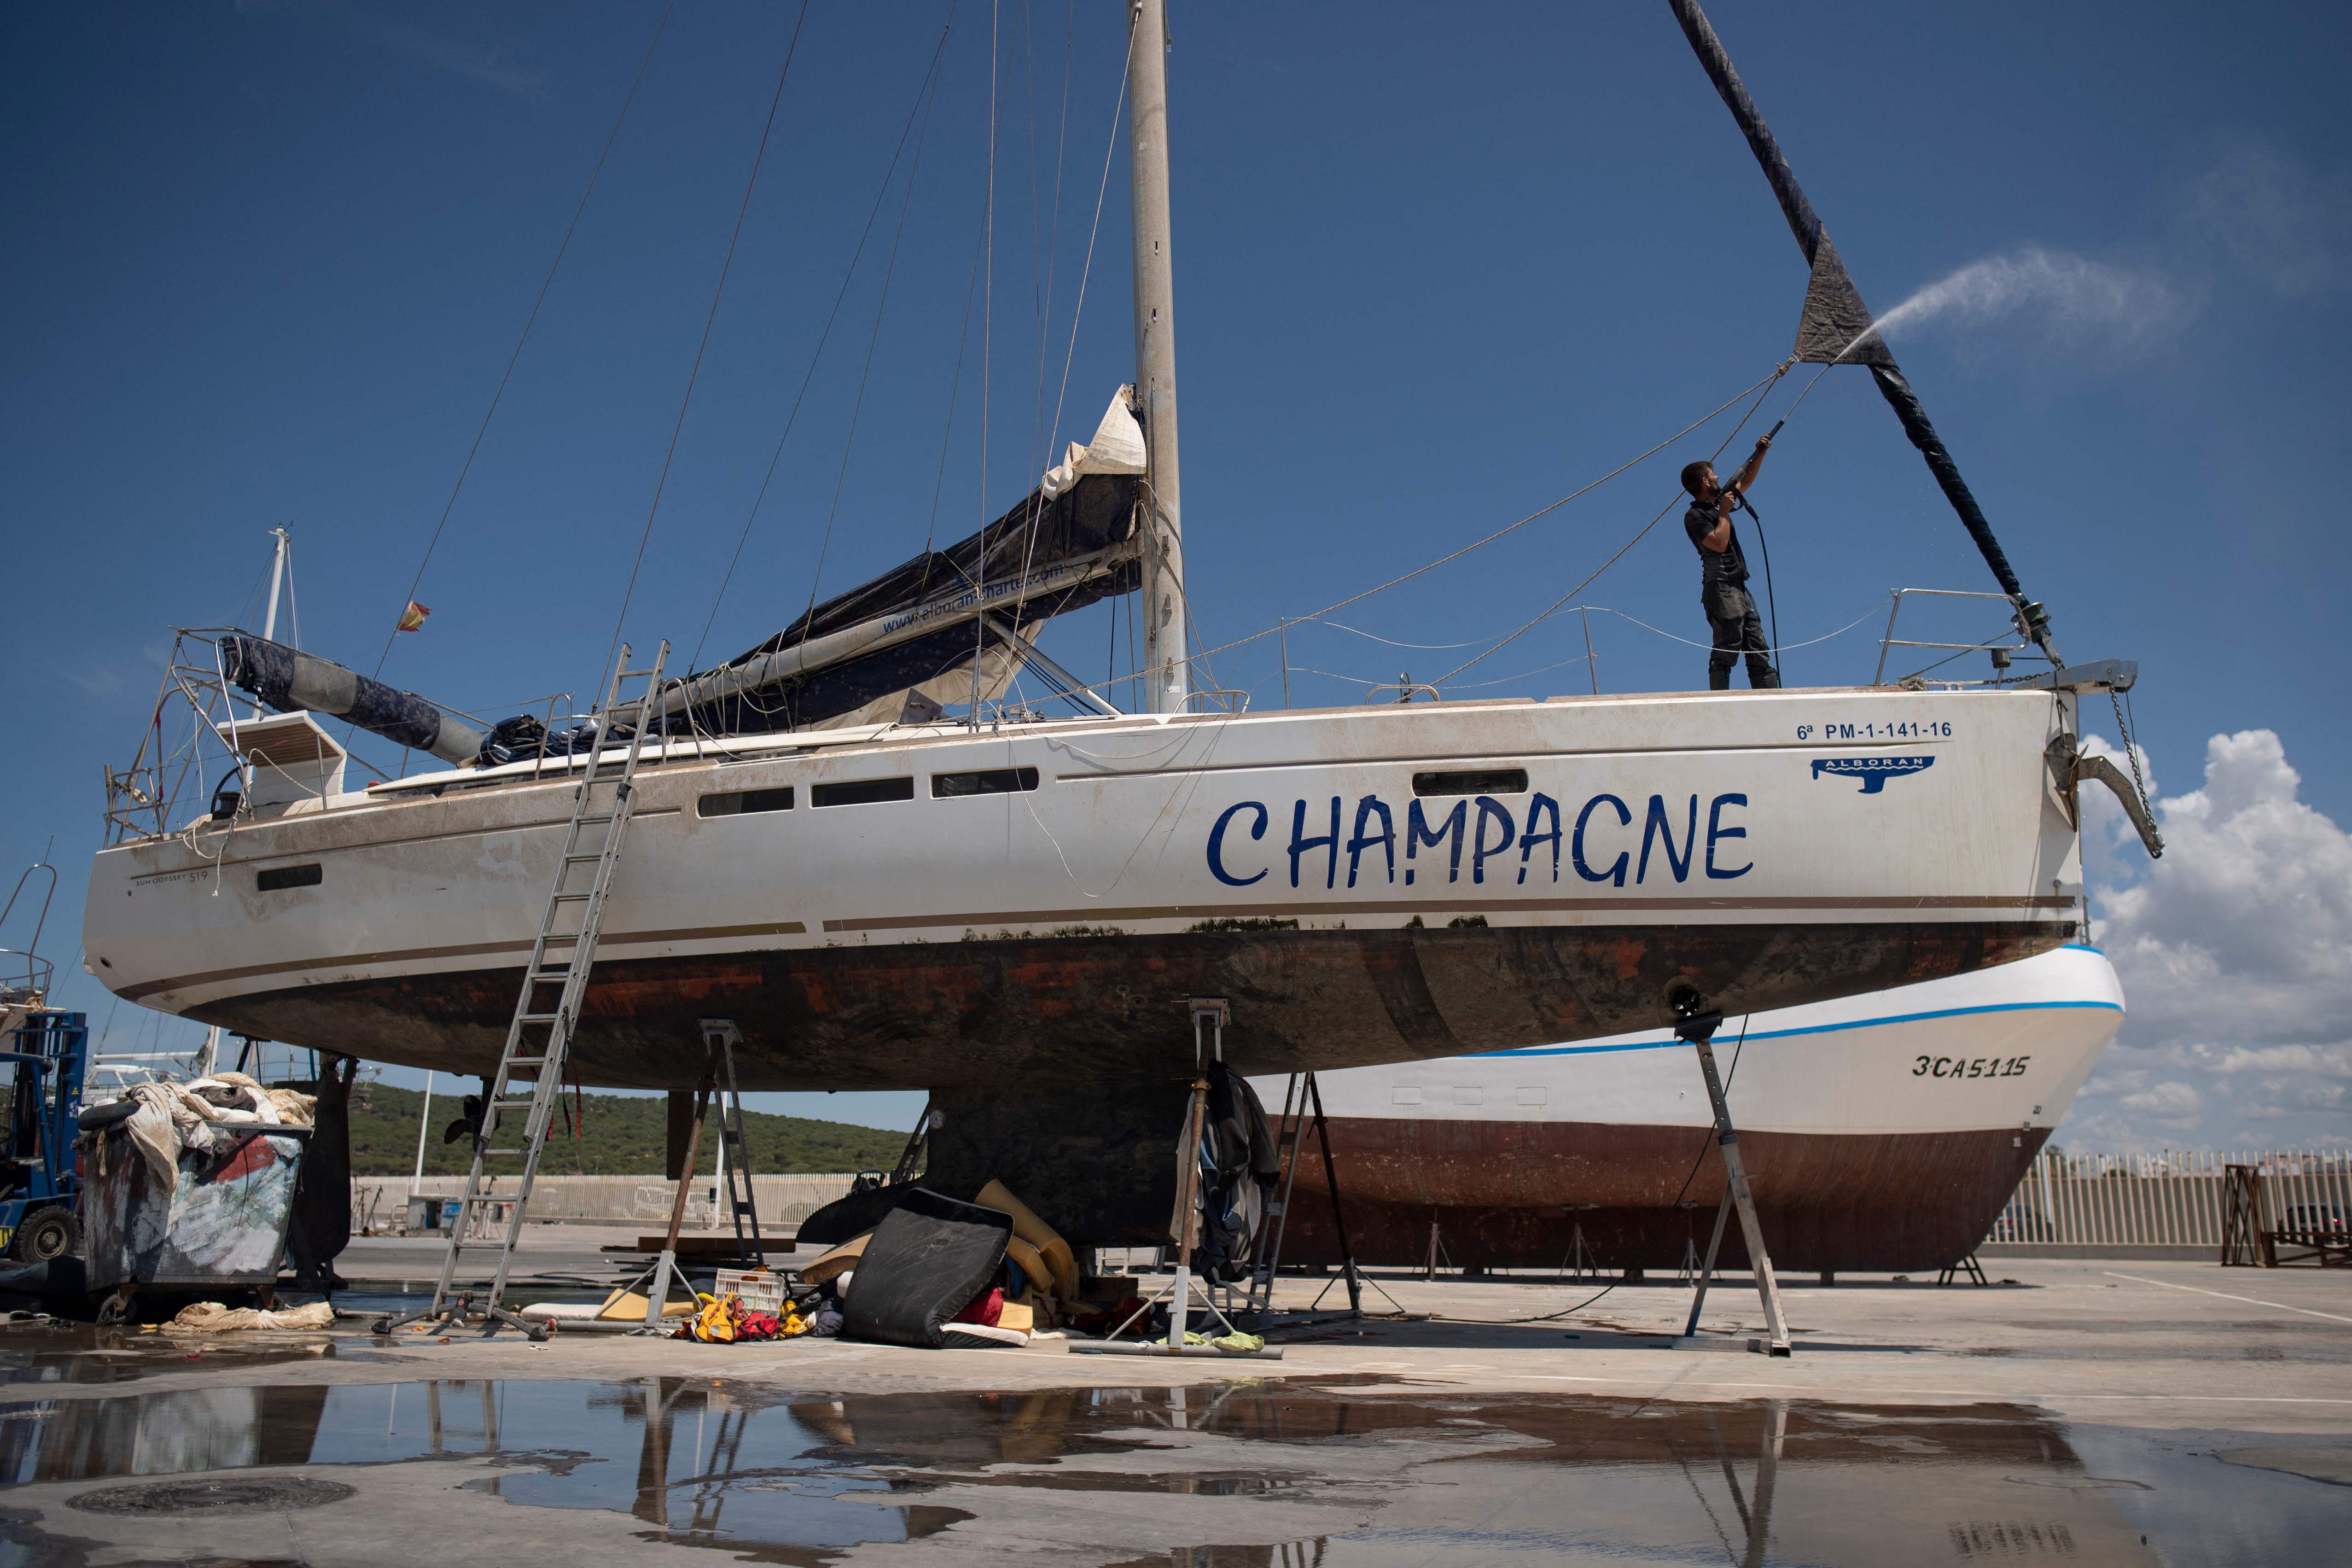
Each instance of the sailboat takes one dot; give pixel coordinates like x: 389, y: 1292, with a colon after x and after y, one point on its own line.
x: 881, y: 895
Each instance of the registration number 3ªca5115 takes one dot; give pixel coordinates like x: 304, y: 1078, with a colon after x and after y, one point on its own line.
x: 1969, y: 1067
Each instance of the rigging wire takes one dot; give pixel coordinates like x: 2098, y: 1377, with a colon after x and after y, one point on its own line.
x: 686, y: 401
x: 1085, y: 272
x: 529, y: 321
x: 848, y: 276
x: 1764, y: 384
x: 955, y: 386
x: 1869, y: 614
x: 890, y: 272
x: 1391, y: 642
x: 1767, y: 384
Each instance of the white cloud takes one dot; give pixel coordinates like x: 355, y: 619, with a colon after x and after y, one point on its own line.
x: 2170, y: 1100
x: 2235, y: 952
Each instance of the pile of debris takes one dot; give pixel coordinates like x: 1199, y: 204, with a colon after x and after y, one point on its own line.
x: 170, y: 1117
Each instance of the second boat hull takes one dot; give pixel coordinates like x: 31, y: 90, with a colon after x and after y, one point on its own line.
x: 1881, y: 1133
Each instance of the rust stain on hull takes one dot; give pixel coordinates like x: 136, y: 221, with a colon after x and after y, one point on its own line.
x: 1512, y: 1194
x: 1109, y: 1009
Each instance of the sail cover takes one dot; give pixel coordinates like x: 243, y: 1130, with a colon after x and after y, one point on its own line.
x: 931, y: 630
x: 287, y: 680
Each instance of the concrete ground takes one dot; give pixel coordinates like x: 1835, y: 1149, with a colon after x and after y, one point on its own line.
x: 2139, y: 1413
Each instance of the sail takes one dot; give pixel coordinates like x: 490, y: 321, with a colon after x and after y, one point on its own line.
x: 934, y: 629
x: 1835, y: 327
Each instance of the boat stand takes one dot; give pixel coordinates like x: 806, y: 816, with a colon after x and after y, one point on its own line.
x: 1302, y: 1106
x: 1697, y: 1024
x: 1211, y: 1015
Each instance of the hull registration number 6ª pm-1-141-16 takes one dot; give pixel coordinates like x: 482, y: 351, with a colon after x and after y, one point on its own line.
x: 1900, y: 729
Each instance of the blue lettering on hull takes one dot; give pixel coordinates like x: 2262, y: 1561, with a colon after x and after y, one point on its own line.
x: 1604, y: 843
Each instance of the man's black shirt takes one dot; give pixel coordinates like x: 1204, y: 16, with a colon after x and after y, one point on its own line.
x: 1728, y: 566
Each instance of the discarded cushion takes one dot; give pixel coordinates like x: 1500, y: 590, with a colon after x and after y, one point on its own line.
x: 1056, y: 1252
x: 928, y: 1256
x: 835, y: 1263
x: 1033, y: 1268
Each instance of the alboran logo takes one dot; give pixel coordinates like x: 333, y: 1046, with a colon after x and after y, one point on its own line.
x: 1873, y: 771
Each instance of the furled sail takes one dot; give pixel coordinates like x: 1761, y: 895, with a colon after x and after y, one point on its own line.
x: 287, y: 680
x: 950, y: 623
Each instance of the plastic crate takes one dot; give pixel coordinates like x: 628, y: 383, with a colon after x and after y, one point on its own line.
x: 759, y: 1289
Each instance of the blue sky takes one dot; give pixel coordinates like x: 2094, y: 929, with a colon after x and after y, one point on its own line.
x: 268, y: 261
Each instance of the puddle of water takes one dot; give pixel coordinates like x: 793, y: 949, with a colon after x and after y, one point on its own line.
x: 87, y: 1354
x: 780, y: 1476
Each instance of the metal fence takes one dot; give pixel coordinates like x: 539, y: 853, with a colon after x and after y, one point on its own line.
x: 2172, y: 1199
x: 382, y: 1202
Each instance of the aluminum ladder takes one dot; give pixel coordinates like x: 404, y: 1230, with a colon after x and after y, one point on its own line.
x: 538, y: 1037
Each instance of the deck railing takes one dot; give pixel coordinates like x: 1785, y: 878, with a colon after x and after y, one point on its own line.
x: 2169, y: 1199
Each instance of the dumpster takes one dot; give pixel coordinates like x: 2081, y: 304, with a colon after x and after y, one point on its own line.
x: 222, y: 1222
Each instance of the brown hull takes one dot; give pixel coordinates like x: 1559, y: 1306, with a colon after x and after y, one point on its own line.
x: 1514, y: 1195
x: 1108, y: 1009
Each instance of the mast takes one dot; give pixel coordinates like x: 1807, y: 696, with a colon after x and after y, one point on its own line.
x: 1806, y: 224
x: 1166, y: 683
x: 276, y: 583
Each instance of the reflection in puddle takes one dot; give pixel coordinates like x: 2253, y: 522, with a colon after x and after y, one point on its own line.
x: 1303, y: 1472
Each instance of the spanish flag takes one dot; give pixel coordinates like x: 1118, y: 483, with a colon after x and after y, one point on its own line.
x: 413, y: 618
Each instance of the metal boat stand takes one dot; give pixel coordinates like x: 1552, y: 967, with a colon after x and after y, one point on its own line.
x: 1211, y: 1015
x: 720, y: 1038
x: 1302, y: 1107
x: 1696, y: 1023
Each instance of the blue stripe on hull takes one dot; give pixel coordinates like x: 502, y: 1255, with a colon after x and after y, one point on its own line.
x: 1813, y: 1029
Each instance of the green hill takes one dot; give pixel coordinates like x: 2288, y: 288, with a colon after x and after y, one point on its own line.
x: 620, y: 1135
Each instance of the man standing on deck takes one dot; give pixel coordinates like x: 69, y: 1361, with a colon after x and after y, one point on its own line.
x: 1723, y: 574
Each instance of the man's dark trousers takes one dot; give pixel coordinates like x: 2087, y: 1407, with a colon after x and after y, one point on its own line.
x: 1738, y: 634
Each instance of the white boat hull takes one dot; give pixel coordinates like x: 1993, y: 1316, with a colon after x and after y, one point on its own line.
x: 1776, y: 847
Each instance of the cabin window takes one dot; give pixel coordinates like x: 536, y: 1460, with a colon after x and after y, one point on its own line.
x: 861, y: 792
x: 1473, y: 781
x: 988, y: 781
x: 278, y: 877
x: 744, y: 802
